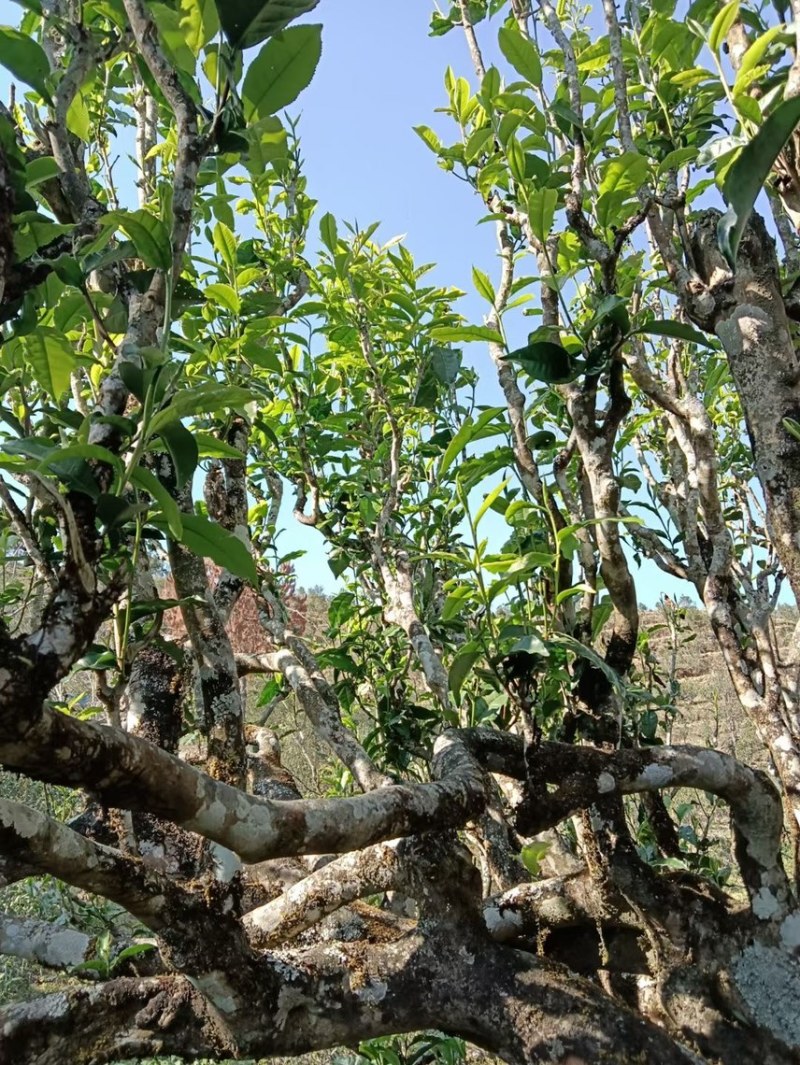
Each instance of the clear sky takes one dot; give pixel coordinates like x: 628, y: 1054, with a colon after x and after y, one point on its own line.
x: 381, y: 74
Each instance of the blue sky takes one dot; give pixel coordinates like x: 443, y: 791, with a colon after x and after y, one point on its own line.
x: 381, y: 74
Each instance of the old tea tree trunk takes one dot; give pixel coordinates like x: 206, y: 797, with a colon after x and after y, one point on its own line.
x: 491, y: 849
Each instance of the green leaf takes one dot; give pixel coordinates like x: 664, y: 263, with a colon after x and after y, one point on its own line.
x: 114, y: 512
x: 623, y: 176
x: 748, y: 108
x: 489, y: 499
x: 248, y: 22
x: 89, y: 452
x: 753, y: 56
x: 541, y: 211
x: 31, y: 5
x: 463, y: 334
x: 97, y: 657
x: 329, y: 233
x: 521, y: 54
x: 338, y: 564
x: 544, y: 361
x: 624, y: 173
x: 76, y: 474
x: 569, y: 119
x: 747, y: 175
x: 134, y: 379
x: 39, y: 170
x: 268, y: 143
x: 611, y: 308
x: 204, y: 399
x: 721, y: 24
x: 532, y: 854
x: 173, y: 36
x: 516, y: 159
x: 208, y: 539
x: 51, y: 358
x: 455, y: 602
x: 679, y: 330
x: 460, y: 669
x: 580, y: 649
x: 490, y: 87
x: 26, y: 60
x: 456, y: 445
x: 148, y: 234
x: 281, y: 70
x: 30, y: 447
x: 146, y: 479
x: 68, y: 270
x: 430, y: 138
x: 792, y: 427
x: 79, y: 121
x: 531, y: 644
x: 570, y: 593
x: 483, y: 284
x: 209, y: 447
x: 225, y: 244
x: 675, y: 160
x: 90, y: 966
x: 542, y: 438
x: 132, y: 952
x: 269, y: 692
x: 223, y: 296
x: 445, y: 363
x: 34, y: 231
x: 199, y: 23
x: 182, y: 448
x: 261, y: 354
x: 478, y: 142
x: 63, y: 462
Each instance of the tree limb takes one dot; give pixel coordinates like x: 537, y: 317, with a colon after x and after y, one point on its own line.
x: 131, y: 773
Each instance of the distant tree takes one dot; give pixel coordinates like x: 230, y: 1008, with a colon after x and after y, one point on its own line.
x: 494, y: 714
x: 245, y: 628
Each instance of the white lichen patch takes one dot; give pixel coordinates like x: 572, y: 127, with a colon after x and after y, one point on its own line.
x: 23, y: 821
x: 374, y: 992
x: 502, y: 924
x: 290, y: 998
x: 50, y: 1008
x: 215, y: 812
x: 764, y: 904
x: 657, y: 776
x: 257, y: 829
x: 217, y: 990
x: 58, y: 641
x: 790, y: 931
x: 768, y: 980
x: 67, y: 947
x: 243, y: 808
x: 750, y: 699
x: 783, y: 742
x: 606, y: 783
x: 226, y: 863
x: 153, y: 851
